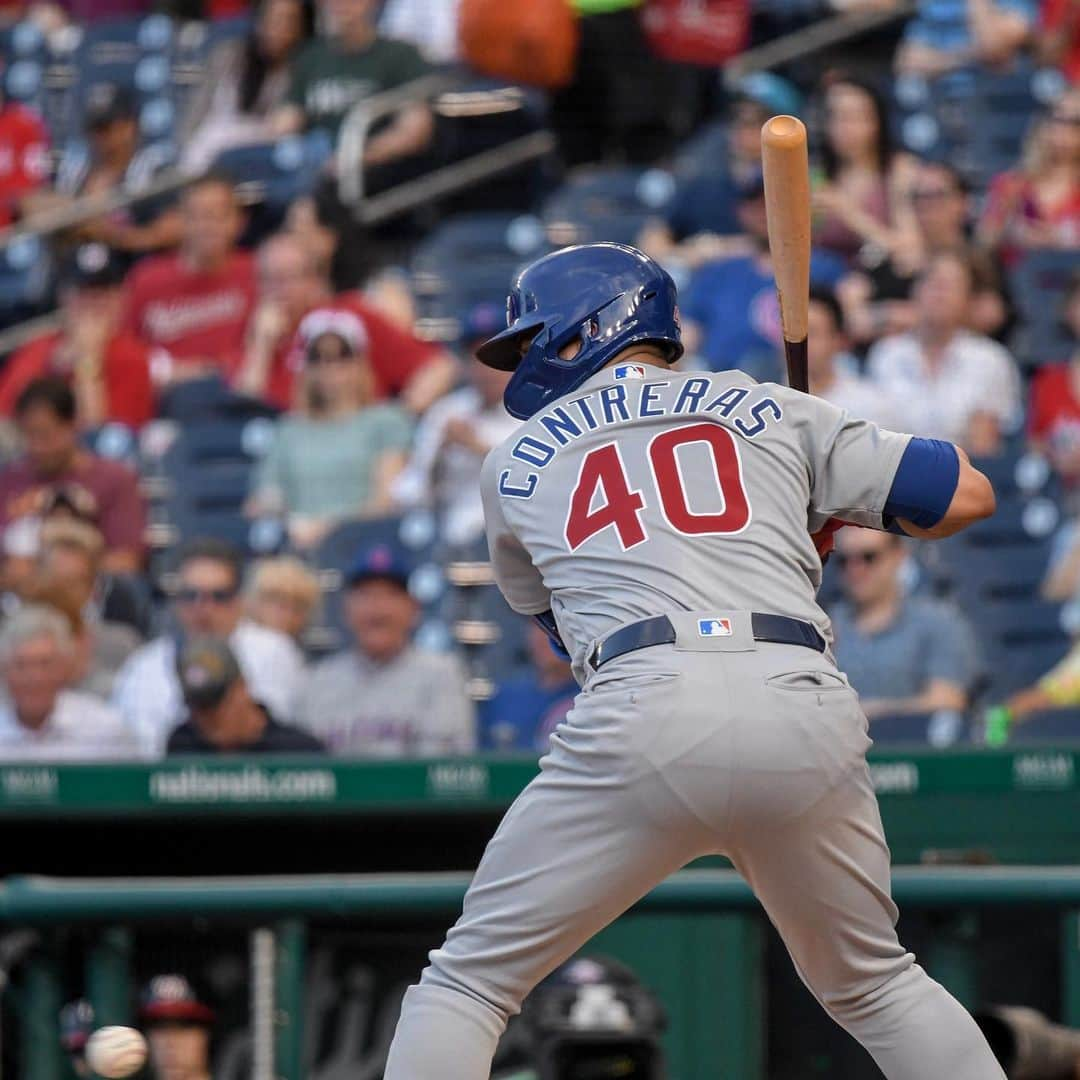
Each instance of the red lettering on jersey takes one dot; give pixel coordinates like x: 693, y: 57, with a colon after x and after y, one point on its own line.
x: 602, y: 470
x: 667, y: 471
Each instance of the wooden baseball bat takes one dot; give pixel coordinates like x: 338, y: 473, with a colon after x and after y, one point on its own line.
x: 786, y: 171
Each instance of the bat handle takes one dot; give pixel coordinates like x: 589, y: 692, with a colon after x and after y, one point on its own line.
x: 797, y: 365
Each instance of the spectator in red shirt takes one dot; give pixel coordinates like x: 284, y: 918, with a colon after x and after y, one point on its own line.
x: 1038, y: 204
x: 24, y: 154
x: 56, y: 469
x: 292, y: 283
x: 193, y: 307
x: 1054, y: 415
x: 1059, y: 42
x: 108, y: 370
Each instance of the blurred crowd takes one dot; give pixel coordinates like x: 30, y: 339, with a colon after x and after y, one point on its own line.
x: 274, y: 619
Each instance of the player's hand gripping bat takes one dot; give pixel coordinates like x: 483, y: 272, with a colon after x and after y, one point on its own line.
x: 786, y: 172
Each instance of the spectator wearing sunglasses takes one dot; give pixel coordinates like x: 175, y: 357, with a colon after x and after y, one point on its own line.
x: 207, y: 603
x: 904, y: 654
x: 337, y: 456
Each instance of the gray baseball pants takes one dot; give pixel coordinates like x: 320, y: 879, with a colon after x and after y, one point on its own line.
x: 710, y: 745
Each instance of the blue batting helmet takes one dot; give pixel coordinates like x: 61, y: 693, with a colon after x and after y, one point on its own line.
x: 605, y: 296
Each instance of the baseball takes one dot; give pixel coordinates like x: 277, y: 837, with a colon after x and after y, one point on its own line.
x: 113, y: 1052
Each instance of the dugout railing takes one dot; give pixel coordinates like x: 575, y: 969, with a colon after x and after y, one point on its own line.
x: 283, y: 907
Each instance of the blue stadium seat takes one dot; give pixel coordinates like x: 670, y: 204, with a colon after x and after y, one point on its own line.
x: 23, y: 40
x: 470, y: 260
x: 204, y: 399
x: 939, y: 729
x: 277, y: 173
x: 24, y: 279
x: 1047, y: 726
x: 1021, y: 639
x: 933, y: 118
x: 113, y: 440
x: 606, y: 204
x: 1006, y: 572
x: 702, y: 152
x: 1038, y: 285
x: 480, y: 237
x: 406, y: 536
x: 1019, y: 473
x: 340, y: 548
x: 1017, y: 520
x: 219, y: 442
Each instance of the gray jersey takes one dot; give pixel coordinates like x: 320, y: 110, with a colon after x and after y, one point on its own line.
x: 650, y: 491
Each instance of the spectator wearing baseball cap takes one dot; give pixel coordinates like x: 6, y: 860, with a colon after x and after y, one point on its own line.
x: 179, y: 1026
x: 383, y: 696
x: 76, y: 1024
x: 110, y: 160
x: 293, y: 280
x: 336, y: 456
x: 223, y: 717
x: 207, y: 603
x: 454, y: 436
x: 107, y: 368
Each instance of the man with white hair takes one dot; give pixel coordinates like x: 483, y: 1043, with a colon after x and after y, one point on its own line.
x: 41, y: 719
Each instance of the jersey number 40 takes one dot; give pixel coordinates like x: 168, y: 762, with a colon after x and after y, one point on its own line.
x: 603, y: 498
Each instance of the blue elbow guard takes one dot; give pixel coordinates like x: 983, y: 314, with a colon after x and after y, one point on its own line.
x: 924, y: 484
x: 546, y: 622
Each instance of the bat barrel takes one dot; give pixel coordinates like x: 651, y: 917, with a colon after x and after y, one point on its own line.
x: 786, y: 173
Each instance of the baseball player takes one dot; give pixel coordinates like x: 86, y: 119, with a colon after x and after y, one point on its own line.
x: 659, y: 525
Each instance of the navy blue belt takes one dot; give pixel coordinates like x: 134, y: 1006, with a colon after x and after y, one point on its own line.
x: 659, y: 630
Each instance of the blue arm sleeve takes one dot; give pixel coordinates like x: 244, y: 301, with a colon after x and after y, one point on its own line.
x: 546, y: 622
x: 924, y: 484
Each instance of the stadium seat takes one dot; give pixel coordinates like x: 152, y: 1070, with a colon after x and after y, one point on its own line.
x: 1047, y: 726
x: 338, y: 549
x: 478, y: 238
x: 1002, y: 572
x: 1037, y: 284
x: 700, y: 153
x: 112, y: 440
x: 606, y: 204
x: 939, y: 729
x: 24, y: 279
x: 933, y: 118
x: 410, y: 538
x: 204, y: 399
x: 469, y: 261
x: 219, y: 442
x: 1017, y: 520
x: 276, y: 173
x: 1020, y: 638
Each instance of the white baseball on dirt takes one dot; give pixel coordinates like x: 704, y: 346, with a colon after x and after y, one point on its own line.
x: 115, y: 1052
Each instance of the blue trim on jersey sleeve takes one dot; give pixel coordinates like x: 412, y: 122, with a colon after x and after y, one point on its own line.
x: 924, y: 484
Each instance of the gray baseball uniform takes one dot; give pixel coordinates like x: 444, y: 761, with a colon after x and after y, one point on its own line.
x: 648, y: 492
